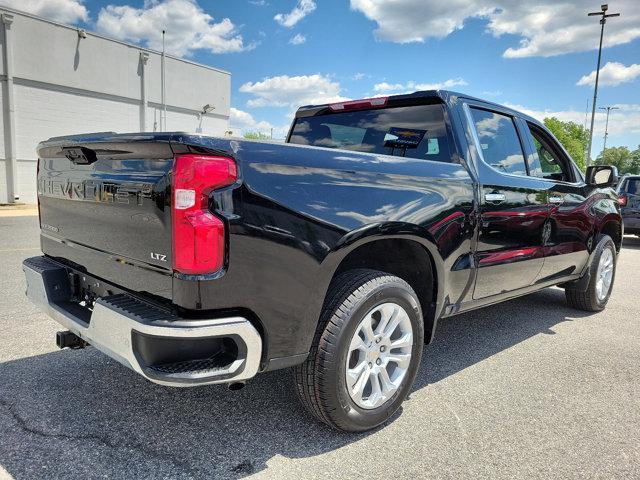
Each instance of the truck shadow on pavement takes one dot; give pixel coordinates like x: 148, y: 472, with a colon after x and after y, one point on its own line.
x: 80, y: 414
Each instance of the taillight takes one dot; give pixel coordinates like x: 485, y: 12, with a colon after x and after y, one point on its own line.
x: 365, y: 103
x: 622, y: 200
x: 198, y: 235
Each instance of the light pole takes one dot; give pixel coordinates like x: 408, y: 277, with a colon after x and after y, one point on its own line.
x: 603, y: 14
x: 606, y: 127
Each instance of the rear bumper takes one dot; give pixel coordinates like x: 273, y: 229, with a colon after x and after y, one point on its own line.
x: 152, y: 341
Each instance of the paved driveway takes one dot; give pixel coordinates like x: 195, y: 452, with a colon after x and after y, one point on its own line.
x: 526, y: 389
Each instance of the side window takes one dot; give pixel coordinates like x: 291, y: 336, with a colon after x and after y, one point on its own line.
x: 546, y: 162
x: 633, y: 186
x: 499, y: 141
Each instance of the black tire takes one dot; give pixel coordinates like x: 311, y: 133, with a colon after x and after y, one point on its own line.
x: 588, y: 300
x: 320, y: 380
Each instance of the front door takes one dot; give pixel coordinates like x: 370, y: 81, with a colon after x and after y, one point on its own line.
x: 570, y: 227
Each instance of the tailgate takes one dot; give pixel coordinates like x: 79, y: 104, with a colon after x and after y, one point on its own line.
x: 104, y: 200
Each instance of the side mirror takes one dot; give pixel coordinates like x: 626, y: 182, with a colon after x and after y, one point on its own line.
x: 602, y: 175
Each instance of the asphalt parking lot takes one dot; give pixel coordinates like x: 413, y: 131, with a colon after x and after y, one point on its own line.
x: 526, y: 389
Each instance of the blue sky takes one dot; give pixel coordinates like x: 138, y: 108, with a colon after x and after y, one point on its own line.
x: 285, y: 52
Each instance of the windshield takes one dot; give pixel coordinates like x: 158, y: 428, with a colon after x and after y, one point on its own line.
x: 417, y: 131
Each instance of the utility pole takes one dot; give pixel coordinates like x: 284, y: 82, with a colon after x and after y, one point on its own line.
x: 606, y: 127
x: 603, y: 14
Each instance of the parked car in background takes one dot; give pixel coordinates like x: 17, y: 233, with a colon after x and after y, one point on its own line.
x: 196, y: 260
x: 629, y: 198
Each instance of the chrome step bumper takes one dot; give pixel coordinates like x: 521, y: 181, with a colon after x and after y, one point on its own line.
x: 141, y: 335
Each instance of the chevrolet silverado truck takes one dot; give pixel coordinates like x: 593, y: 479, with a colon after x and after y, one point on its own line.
x: 196, y: 260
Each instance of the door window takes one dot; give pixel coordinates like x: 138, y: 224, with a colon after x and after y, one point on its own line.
x: 499, y: 141
x: 632, y: 186
x: 547, y: 161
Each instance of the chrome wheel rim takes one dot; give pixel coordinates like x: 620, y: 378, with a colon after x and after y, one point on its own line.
x: 605, y: 274
x: 379, y: 355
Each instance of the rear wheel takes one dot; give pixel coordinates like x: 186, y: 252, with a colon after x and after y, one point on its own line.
x: 603, y: 270
x: 366, y: 351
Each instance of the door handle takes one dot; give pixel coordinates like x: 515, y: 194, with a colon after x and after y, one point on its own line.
x: 495, y: 197
x: 556, y: 199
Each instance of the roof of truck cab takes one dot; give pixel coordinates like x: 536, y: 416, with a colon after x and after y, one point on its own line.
x: 447, y: 96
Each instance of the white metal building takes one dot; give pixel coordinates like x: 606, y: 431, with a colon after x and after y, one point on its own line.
x: 58, y: 80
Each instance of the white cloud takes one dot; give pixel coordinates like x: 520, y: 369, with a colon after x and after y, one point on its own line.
x: 409, y: 87
x: 244, y: 121
x: 449, y: 83
x: 301, y: 10
x: 241, y: 122
x: 187, y: 26
x: 286, y: 91
x: 613, y: 73
x: 64, y: 11
x: 545, y: 27
x: 387, y: 87
x: 298, y: 39
x: 358, y: 76
x: 405, y: 21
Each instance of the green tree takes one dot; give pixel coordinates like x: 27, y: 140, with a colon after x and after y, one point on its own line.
x: 256, y: 136
x: 635, y: 160
x: 625, y: 160
x: 572, y: 136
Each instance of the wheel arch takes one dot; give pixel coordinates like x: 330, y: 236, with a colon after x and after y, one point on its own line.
x: 413, y: 258
x: 613, y: 228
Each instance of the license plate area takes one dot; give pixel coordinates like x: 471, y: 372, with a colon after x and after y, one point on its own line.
x: 86, y: 289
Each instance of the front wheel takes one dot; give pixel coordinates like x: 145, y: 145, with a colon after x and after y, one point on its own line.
x: 366, y: 351
x: 603, y: 272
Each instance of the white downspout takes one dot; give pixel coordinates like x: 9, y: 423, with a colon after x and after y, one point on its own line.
x: 144, y: 58
x: 9, y: 113
x: 163, y: 113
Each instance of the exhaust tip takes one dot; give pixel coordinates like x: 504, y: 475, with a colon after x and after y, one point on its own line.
x: 235, y: 386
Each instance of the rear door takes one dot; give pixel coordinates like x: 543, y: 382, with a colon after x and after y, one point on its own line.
x: 513, y: 207
x: 570, y: 226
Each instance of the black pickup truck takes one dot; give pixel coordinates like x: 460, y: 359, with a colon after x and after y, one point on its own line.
x: 196, y: 260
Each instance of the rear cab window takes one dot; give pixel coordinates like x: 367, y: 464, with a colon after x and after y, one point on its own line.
x: 415, y: 131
